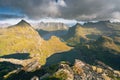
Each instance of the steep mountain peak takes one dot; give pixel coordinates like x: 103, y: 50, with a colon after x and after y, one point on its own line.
x: 23, y: 23
x: 77, y: 25
x: 75, y: 28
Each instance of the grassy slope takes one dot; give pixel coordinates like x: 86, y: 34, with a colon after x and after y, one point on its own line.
x: 23, y: 38
x: 53, y: 45
x: 19, y: 39
x: 78, y: 33
x: 103, y: 49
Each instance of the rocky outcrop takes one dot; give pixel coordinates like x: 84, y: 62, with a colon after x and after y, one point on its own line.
x: 32, y: 66
x: 83, y: 71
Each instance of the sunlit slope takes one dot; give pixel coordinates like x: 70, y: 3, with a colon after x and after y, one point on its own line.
x: 19, y: 38
x: 79, y: 33
x: 22, y: 38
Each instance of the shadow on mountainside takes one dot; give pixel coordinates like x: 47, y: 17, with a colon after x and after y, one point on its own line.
x: 20, y: 56
x: 46, y: 35
x: 54, y: 59
x: 69, y: 56
x: 6, y: 67
x: 108, y: 58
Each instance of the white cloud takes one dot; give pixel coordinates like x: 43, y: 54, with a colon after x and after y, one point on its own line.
x: 116, y: 15
x: 61, y: 3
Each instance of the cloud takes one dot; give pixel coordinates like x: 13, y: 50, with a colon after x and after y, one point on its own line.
x: 69, y: 9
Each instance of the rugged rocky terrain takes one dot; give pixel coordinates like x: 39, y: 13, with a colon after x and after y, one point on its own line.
x: 65, y: 71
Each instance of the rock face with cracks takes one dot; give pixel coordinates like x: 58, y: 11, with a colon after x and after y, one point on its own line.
x: 82, y: 71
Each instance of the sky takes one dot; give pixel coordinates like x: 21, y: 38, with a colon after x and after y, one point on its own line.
x: 83, y: 10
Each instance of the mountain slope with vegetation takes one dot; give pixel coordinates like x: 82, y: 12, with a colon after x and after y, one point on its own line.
x: 19, y: 38
x: 22, y: 38
x: 103, y: 49
x: 79, y: 33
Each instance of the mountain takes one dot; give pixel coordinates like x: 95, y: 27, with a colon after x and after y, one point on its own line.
x: 107, y: 42
x: 51, y: 26
x: 52, y: 46
x: 91, y: 31
x: 23, y: 23
x: 23, y: 38
x: 107, y: 28
x: 79, y: 33
x: 48, y: 34
x: 57, y: 45
x: 19, y: 38
x: 22, y: 46
x: 103, y: 49
x: 46, y: 30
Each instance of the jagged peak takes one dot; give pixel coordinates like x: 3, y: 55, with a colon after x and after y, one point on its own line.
x: 23, y: 23
x: 77, y: 25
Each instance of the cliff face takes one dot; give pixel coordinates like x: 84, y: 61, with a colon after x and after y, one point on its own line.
x: 51, y: 26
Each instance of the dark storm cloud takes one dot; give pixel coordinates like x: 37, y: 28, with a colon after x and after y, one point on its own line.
x: 70, y: 9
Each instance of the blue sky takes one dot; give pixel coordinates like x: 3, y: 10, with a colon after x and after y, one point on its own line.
x: 7, y: 12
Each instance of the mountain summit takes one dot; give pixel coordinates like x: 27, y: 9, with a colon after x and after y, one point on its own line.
x: 23, y: 23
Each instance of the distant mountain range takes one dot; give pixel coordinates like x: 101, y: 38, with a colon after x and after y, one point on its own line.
x: 46, y: 30
x: 106, y: 27
x: 51, y: 26
x: 91, y: 31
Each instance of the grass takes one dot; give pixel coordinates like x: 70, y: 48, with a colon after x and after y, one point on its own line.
x: 24, y: 39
